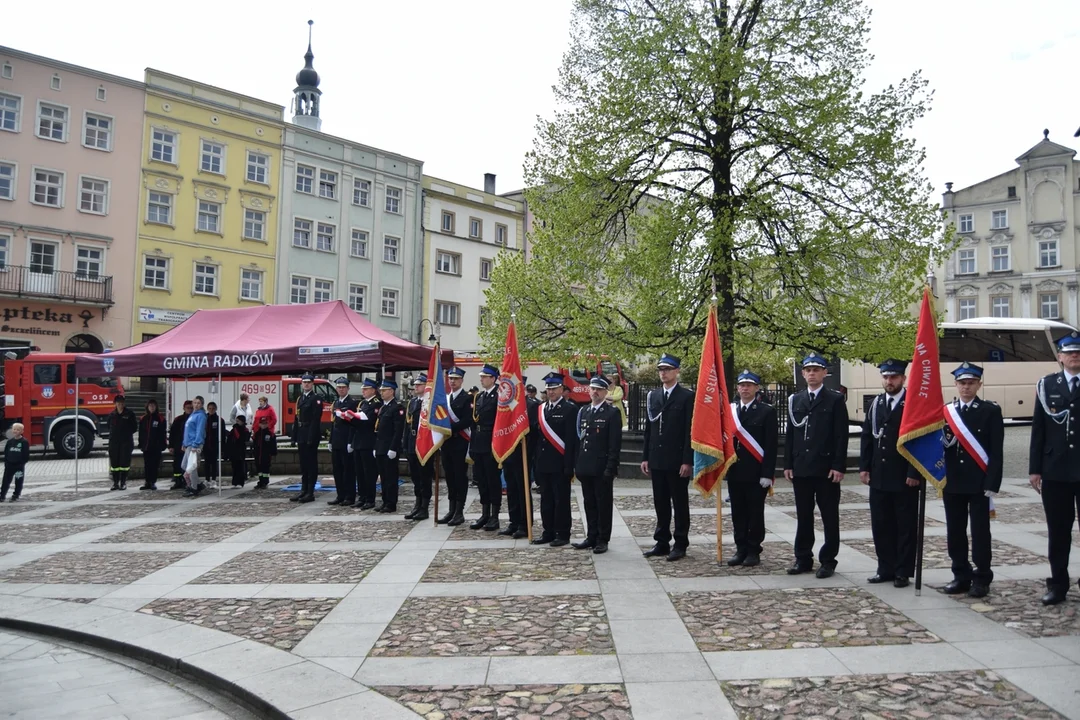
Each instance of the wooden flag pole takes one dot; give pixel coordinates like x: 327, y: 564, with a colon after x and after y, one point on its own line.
x: 528, y: 489
x: 437, y: 459
x: 719, y: 523
x: 920, y: 539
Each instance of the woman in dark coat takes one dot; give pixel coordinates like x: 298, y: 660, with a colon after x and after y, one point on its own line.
x: 153, y: 440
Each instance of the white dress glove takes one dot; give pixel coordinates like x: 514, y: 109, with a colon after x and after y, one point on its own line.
x: 339, y: 414
x: 391, y: 454
x: 349, y: 448
x: 765, y: 482
x: 990, y: 494
x: 373, y: 454
x: 363, y: 415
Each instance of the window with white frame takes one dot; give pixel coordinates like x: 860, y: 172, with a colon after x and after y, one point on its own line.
x: 97, y: 132
x: 501, y: 233
x: 483, y: 317
x: 358, y: 298
x: 999, y: 258
x: 965, y: 261
x: 205, y: 279
x: 155, y: 272
x: 5, y: 244
x: 324, y: 237
x: 100, y: 94
x: 999, y: 219
x: 89, y: 262
x: 327, y: 184
x: 966, y: 223
x: 9, y: 112
x: 298, y: 293
x: 1001, y: 306
x: 94, y: 196
x: 448, y: 313
x: 391, y: 246
x: 448, y: 222
x: 485, y: 269
x: 209, y: 216
x: 361, y: 192
x: 448, y: 263
x: 301, y: 236
x: 258, y: 167
x: 54, y: 81
x: 305, y: 179
x: 359, y: 246
x: 393, y: 200
x: 389, y: 302
x: 966, y: 307
x: 163, y: 146
x: 322, y: 291
x: 1048, y: 253
x: 251, y: 284
x: 49, y: 188
x: 212, y: 157
x: 7, y: 71
x: 7, y: 181
x: 159, y: 208
x: 1049, y: 306
x: 43, y: 257
x: 254, y: 225
x: 476, y: 228
x: 52, y: 122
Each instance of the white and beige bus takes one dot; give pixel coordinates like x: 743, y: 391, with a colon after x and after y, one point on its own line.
x: 1013, y: 352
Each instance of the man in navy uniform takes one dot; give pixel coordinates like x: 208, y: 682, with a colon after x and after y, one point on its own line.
x: 485, y: 467
x: 894, y: 483
x: 974, y: 455
x: 389, y: 435
x: 1054, y: 461
x: 422, y: 475
x: 342, y: 433
x: 668, y: 458
x: 596, y: 462
x: 750, y: 478
x: 815, y: 457
x: 367, y: 469
x: 307, y: 432
x: 455, y: 449
x: 556, y: 436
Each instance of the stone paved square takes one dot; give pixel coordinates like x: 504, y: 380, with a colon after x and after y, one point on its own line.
x: 644, y: 526
x: 33, y: 534
x: 104, y: 568
x: 700, y: 561
x: 785, y: 497
x: 633, y: 502
x: 175, y: 532
x: 353, y: 531
x: 508, y: 564
x: 236, y: 509
x: 514, y: 625
x: 936, y: 553
x: 516, y: 702
x: 976, y: 694
x: 1075, y: 537
x: 103, y: 511
x: 346, y: 566
x: 1021, y: 513
x: 278, y: 622
x: 14, y: 508
x: 795, y: 618
x: 31, y: 495
x: 1015, y: 604
x: 163, y: 493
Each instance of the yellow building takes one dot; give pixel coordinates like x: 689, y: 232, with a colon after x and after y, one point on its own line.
x: 208, y: 224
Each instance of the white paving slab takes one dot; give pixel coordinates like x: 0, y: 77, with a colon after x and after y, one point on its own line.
x: 1058, y: 687
x: 698, y: 700
x: 1013, y: 653
x: 928, y: 657
x: 755, y: 664
x: 555, y: 669
x: 424, y: 671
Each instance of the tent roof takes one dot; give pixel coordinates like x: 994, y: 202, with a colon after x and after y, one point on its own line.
x: 268, y: 339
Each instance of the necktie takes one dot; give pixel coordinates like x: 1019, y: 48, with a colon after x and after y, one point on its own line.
x: 667, y: 394
x: 891, y: 402
x: 551, y: 406
x: 812, y: 396
x: 963, y: 409
x: 1075, y: 383
x: 742, y: 409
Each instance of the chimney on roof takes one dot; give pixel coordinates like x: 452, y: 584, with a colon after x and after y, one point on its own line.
x: 489, y: 183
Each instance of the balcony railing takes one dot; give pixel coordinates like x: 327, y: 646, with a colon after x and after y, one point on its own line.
x: 72, y: 287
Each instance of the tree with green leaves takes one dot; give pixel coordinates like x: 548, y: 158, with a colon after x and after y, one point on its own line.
x: 727, y: 148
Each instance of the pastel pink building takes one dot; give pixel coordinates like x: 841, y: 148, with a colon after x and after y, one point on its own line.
x: 70, y: 148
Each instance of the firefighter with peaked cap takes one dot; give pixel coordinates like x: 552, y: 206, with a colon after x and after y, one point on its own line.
x: 422, y: 474
x: 455, y: 450
x: 342, y: 431
x: 485, y: 468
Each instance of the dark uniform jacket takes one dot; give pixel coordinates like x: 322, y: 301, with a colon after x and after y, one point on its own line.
x: 562, y: 420
x: 390, y: 428
x: 152, y: 435
x: 122, y: 428
x: 236, y: 443
x: 1054, y: 453
x: 599, y: 441
x: 485, y: 405
x: 821, y: 444
x: 963, y: 474
x: 412, y: 423
x: 889, y: 470
x: 308, y: 426
x: 176, y: 432
x: 462, y: 405
x: 364, y: 430
x: 343, y: 430
x: 265, y: 443
x: 759, y: 419
x: 667, y: 438
x: 216, y: 432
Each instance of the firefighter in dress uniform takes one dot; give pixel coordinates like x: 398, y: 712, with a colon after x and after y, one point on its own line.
x: 389, y: 435
x: 422, y: 475
x: 364, y: 464
x: 485, y: 468
x: 307, y: 431
x: 455, y: 450
x: 342, y: 432
x: 596, y: 463
x: 750, y: 478
x: 122, y: 428
x: 556, y: 438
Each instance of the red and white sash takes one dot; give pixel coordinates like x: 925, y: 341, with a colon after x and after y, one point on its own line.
x: 464, y: 432
x: 966, y: 437
x: 550, y: 434
x: 745, y: 437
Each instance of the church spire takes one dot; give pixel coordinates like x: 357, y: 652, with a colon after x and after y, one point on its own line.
x: 306, y: 94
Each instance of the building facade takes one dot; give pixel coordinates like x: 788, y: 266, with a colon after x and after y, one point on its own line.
x: 1018, y: 240
x: 465, y: 230
x: 208, y: 202
x: 70, y: 141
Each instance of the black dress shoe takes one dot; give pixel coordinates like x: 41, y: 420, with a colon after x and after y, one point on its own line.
x: 332, y: 502
x: 825, y: 571
x: 600, y: 548
x: 584, y: 545
x: 901, y: 582
x: 368, y: 506
x: 542, y: 540
x: 508, y: 530
x: 878, y: 578
x: 520, y: 533
x: 739, y: 559
x: 657, y: 550
x: 295, y: 498
x: 559, y: 542
x: 798, y: 569
x: 676, y: 554
x: 957, y: 587
x: 492, y: 524
x: 752, y: 560
x: 1054, y: 595
x: 306, y: 499
x: 978, y: 590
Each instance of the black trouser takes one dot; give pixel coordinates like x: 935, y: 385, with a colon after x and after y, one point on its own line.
x: 263, y: 466
x: 239, y: 470
x: 958, y: 508
x: 1061, y: 503
x: 748, y: 515
x: 488, y: 480
x: 344, y: 474
x: 894, y: 519
x: 10, y: 472
x: 514, y: 471
x: 422, y: 477
x: 388, y: 474
x: 152, y: 463
x: 178, y: 466
x: 555, y: 504
x: 309, y: 466
x: 456, y: 469
x: 671, y: 492
x: 367, y: 475
x: 598, y: 491
x: 119, y: 463
x: 210, y: 463
x: 826, y: 494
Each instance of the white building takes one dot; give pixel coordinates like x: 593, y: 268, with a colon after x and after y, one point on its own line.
x: 1019, y: 241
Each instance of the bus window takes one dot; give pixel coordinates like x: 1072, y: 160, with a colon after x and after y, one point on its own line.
x: 47, y: 374
x: 991, y: 346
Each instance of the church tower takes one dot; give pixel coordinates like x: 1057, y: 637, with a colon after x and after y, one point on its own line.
x: 306, y: 95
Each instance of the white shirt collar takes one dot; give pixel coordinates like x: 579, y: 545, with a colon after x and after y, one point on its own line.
x: 1068, y: 376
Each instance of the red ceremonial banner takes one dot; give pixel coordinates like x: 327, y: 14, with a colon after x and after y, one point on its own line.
x: 712, y: 431
x: 512, y: 417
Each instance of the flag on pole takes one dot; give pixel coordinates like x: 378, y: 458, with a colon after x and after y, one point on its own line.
x: 712, y: 431
x: 511, y: 416
x: 924, y: 417
x: 434, y: 411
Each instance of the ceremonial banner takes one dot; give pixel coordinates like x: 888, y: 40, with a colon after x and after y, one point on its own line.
x: 712, y: 432
x: 434, y: 411
x: 511, y: 418
x: 921, y: 429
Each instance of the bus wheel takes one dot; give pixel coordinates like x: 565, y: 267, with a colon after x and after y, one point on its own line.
x: 69, y: 439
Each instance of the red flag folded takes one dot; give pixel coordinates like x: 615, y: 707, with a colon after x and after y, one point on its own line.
x: 511, y: 418
x: 712, y: 431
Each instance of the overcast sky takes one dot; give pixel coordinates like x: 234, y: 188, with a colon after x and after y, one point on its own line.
x: 459, y: 84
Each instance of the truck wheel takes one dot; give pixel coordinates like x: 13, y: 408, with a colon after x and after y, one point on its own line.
x: 69, y: 438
